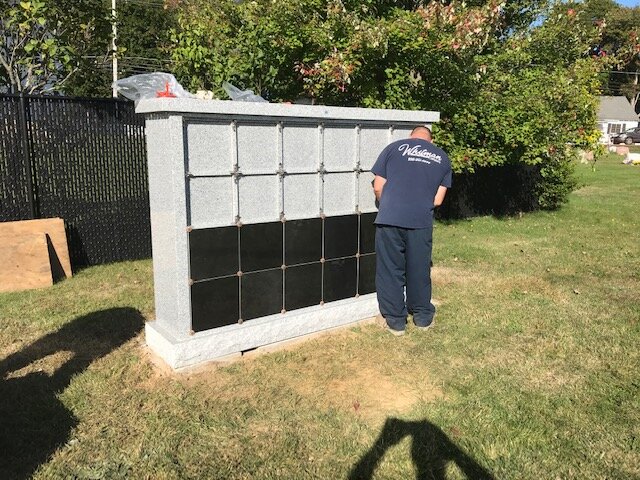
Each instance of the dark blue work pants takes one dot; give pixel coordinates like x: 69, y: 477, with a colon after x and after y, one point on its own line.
x: 403, y: 260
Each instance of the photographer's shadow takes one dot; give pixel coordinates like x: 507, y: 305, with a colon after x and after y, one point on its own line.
x: 34, y: 422
x: 431, y: 451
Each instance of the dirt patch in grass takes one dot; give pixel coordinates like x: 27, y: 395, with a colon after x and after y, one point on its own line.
x: 327, y: 372
x: 366, y: 391
x: 359, y: 380
x: 158, y: 370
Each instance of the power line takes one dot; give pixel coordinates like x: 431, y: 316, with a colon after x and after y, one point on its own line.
x: 150, y: 58
x: 145, y: 3
x: 126, y: 58
x: 622, y: 72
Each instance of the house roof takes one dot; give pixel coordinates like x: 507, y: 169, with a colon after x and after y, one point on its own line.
x: 616, y: 108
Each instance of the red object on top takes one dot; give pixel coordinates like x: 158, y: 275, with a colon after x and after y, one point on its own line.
x: 166, y: 92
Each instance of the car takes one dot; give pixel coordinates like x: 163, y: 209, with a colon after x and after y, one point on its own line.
x: 628, y: 137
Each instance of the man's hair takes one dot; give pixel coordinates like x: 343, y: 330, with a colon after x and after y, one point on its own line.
x: 423, y: 129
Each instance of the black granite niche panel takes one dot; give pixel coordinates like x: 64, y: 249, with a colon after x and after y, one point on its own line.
x: 367, y: 233
x: 213, y: 252
x: 302, y: 241
x: 261, y: 294
x: 302, y: 286
x: 340, y: 236
x: 214, y: 303
x: 340, y: 279
x: 261, y: 246
x: 367, y: 274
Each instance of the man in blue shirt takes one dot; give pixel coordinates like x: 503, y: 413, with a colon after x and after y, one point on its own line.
x: 411, y: 178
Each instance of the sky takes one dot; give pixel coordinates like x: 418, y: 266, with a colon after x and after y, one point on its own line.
x: 629, y: 3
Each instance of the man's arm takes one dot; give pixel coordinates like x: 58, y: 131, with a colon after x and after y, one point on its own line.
x: 378, y: 184
x: 442, y: 191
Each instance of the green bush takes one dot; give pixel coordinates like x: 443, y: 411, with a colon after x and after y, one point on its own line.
x: 557, y: 181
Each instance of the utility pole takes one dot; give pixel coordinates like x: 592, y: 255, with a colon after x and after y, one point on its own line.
x: 636, y: 92
x: 114, y: 57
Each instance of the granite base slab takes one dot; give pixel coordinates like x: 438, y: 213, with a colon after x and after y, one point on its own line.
x: 233, y: 339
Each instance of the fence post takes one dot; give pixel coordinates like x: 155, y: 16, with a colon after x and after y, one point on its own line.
x: 26, y: 156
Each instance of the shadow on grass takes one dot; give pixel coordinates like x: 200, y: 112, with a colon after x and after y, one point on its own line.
x: 431, y: 451
x: 34, y: 423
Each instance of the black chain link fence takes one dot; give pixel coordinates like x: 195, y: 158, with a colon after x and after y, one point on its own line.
x: 83, y: 160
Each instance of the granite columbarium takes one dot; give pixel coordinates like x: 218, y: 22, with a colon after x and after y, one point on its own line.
x: 261, y: 220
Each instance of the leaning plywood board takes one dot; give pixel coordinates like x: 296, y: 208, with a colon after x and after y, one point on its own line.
x: 25, y: 262
x: 53, y: 229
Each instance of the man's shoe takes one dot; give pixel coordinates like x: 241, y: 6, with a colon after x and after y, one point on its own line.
x: 397, y: 333
x: 426, y: 327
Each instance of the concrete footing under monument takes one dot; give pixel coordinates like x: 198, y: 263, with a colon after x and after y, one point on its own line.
x: 261, y: 221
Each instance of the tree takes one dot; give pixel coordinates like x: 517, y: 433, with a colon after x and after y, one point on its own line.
x: 333, y: 51
x: 535, y: 103
x: 64, y: 46
x: 250, y: 44
x: 34, y: 54
x: 143, y: 35
x: 620, y: 38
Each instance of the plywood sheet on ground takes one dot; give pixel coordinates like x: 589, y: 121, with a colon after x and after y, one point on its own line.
x: 55, y: 236
x: 25, y: 262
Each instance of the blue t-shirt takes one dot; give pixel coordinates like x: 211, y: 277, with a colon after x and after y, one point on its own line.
x: 414, y: 170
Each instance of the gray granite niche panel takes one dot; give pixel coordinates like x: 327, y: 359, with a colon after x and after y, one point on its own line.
x: 372, y: 141
x: 301, y: 196
x: 258, y: 149
x: 400, y: 133
x: 339, y: 193
x: 210, y: 148
x: 366, y: 197
x: 259, y: 198
x: 300, y: 148
x: 340, y: 148
x: 211, y: 201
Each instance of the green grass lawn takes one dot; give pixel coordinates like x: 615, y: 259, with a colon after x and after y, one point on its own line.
x: 532, y: 370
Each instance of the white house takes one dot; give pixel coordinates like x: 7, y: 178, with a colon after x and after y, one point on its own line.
x: 615, y: 115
